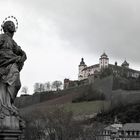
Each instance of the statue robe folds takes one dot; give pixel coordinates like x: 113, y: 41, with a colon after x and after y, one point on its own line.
x: 12, y: 58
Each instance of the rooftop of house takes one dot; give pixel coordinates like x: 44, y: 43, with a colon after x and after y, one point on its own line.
x: 110, y: 128
x: 131, y: 127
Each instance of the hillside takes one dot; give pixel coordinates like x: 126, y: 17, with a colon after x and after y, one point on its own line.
x: 100, y: 96
x: 125, y: 97
x: 37, y: 98
x: 83, y: 108
x: 124, y: 114
x: 99, y: 90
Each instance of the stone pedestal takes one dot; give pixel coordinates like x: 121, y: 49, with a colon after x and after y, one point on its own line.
x: 10, y: 122
x: 10, y: 135
x: 10, y: 128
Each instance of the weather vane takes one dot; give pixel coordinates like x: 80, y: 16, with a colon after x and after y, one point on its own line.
x: 10, y: 18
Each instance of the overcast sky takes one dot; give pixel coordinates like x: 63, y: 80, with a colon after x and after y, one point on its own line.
x: 55, y: 34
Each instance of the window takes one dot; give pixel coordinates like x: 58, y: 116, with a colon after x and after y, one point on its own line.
x: 133, y: 133
x: 137, y: 133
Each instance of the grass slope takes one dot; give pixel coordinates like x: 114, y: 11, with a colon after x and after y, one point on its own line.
x: 83, y: 108
x: 87, y: 108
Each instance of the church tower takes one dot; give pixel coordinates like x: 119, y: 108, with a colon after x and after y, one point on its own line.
x: 81, y: 67
x: 104, y: 61
x: 125, y: 64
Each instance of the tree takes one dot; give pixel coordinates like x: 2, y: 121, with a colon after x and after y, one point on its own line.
x: 54, y: 123
x: 42, y: 87
x: 24, y: 90
x: 57, y: 85
x: 39, y: 87
x: 47, y: 86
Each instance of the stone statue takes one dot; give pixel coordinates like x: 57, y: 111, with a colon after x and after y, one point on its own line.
x: 12, y: 58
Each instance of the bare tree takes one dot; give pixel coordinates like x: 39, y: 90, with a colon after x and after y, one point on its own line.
x: 39, y: 87
x: 24, y: 90
x: 47, y: 86
x: 57, y: 85
x: 55, y: 123
x: 42, y: 87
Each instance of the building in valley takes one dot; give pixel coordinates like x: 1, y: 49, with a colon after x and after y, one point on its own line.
x: 128, y: 131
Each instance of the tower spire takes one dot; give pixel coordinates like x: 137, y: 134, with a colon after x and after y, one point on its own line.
x: 82, y: 61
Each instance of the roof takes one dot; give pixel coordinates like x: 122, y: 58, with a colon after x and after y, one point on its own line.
x: 131, y: 127
x: 104, y: 54
x: 112, y: 66
x: 110, y: 128
x: 125, y: 63
x: 121, y: 68
x: 117, y: 125
x: 113, y: 127
x: 90, y: 67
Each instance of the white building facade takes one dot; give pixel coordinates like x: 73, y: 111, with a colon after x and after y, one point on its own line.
x: 87, y: 71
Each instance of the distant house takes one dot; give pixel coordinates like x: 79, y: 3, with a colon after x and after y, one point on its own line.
x: 128, y: 131
x: 109, y: 133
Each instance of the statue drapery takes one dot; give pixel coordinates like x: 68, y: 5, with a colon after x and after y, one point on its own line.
x: 12, y: 58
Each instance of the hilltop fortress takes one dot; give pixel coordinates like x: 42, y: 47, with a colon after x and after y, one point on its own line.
x: 88, y: 74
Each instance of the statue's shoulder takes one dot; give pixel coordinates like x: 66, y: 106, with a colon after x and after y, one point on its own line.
x: 2, y: 39
x: 3, y: 36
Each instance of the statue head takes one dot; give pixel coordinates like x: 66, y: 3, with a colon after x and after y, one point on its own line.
x: 9, y: 26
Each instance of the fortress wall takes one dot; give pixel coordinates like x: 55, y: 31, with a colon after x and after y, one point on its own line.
x: 104, y: 85
x: 24, y: 101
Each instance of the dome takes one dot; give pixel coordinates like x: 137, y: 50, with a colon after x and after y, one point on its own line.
x: 82, y: 62
x: 104, y: 56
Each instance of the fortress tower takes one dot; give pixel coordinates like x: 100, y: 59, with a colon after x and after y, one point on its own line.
x: 104, y: 61
x: 125, y: 64
x: 81, y: 67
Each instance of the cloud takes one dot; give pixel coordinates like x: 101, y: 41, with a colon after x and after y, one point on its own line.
x: 95, y: 25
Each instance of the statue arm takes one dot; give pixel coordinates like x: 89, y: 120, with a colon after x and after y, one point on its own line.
x: 19, y: 52
x: 22, y: 55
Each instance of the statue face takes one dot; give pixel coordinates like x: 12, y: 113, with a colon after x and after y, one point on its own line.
x: 9, y: 26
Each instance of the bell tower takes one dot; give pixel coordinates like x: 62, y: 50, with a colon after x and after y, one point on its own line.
x: 81, y: 67
x: 104, y: 61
